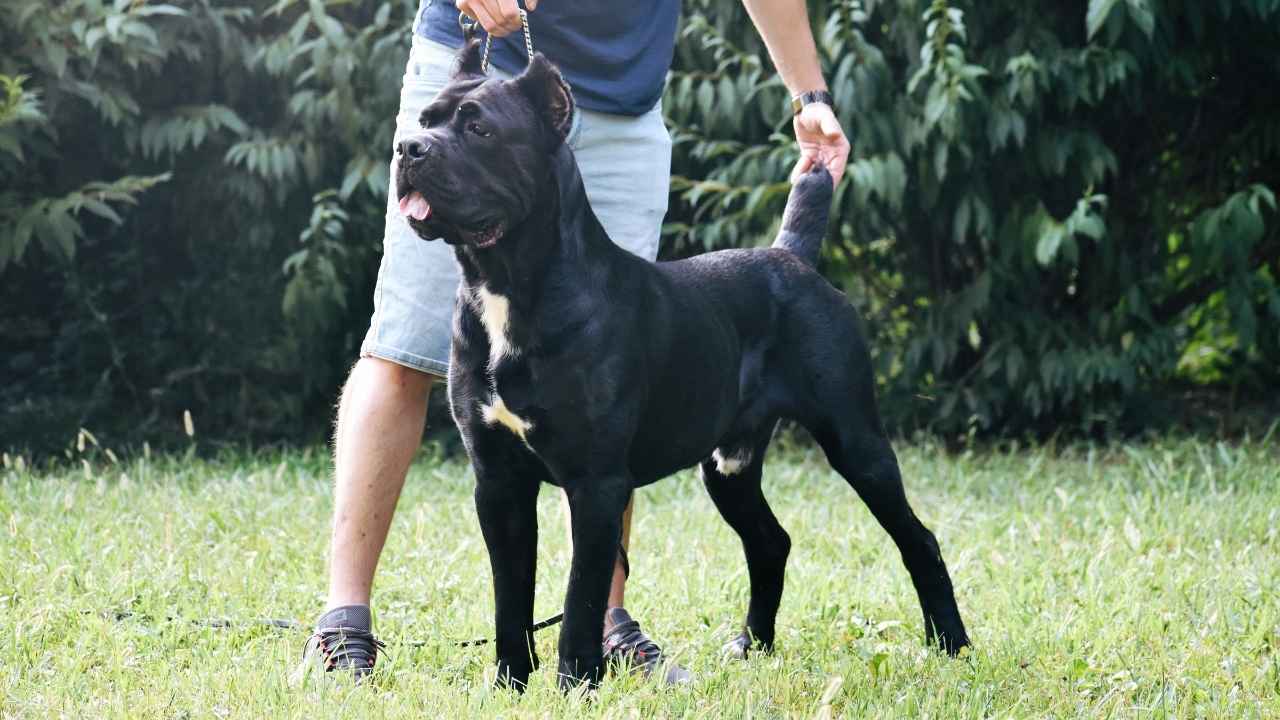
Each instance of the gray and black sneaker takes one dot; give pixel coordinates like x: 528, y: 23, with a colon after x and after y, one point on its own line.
x: 626, y: 647
x: 343, y: 643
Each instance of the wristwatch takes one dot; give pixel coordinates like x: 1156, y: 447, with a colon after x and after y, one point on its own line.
x: 812, y: 96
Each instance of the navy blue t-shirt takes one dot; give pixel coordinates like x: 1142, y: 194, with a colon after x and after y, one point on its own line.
x: 614, y: 53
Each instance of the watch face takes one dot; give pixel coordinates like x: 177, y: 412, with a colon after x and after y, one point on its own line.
x: 812, y: 96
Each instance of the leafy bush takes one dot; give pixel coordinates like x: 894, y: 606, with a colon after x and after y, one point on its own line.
x: 194, y: 196
x: 1058, y: 215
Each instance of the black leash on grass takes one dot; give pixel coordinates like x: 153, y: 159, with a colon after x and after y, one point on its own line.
x: 280, y: 624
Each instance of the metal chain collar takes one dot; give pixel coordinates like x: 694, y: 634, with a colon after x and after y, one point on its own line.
x: 470, y: 26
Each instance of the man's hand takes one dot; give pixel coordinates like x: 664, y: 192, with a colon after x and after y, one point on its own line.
x: 820, y: 138
x: 497, y: 17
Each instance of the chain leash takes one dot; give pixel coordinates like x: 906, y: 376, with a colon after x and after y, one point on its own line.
x: 470, y: 26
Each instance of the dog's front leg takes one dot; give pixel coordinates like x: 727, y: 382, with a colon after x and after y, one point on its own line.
x: 509, y: 521
x: 596, y: 504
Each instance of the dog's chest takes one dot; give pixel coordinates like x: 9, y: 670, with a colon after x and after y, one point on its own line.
x: 496, y: 412
x: 495, y: 315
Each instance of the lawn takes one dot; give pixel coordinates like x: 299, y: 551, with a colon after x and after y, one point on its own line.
x: 1096, y: 581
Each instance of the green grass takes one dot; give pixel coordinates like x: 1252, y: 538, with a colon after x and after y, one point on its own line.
x: 1096, y: 582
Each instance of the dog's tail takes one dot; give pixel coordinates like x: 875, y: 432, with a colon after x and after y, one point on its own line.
x: 804, y: 222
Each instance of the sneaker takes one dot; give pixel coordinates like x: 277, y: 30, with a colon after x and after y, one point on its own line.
x: 343, y: 643
x: 627, y: 647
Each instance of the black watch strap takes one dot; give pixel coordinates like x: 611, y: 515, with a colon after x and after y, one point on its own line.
x: 813, y: 96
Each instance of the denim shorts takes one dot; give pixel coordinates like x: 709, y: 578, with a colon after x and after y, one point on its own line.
x: 625, y: 163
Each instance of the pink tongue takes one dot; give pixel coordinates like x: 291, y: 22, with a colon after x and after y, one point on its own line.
x: 415, y: 206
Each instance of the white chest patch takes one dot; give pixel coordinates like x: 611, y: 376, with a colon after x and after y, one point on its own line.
x: 495, y: 315
x: 497, y: 412
x: 732, y: 463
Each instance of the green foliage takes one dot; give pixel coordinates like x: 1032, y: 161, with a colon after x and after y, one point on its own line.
x: 192, y: 198
x: 1056, y: 216
x: 51, y: 221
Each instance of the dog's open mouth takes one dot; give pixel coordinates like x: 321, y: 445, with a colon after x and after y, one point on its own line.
x: 417, y: 210
x: 415, y: 206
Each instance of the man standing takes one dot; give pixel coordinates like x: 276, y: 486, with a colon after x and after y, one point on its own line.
x: 615, y: 54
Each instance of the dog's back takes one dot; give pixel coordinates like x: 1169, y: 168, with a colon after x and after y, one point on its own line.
x: 744, y: 283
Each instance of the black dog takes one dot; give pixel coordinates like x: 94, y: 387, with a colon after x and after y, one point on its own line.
x: 577, y: 364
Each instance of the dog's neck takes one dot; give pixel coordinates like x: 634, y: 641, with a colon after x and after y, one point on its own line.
x: 560, y: 240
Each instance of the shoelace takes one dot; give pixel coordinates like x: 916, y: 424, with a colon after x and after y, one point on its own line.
x: 349, y: 646
x: 627, y: 640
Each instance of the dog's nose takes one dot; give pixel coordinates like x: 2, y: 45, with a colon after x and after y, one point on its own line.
x: 413, y: 148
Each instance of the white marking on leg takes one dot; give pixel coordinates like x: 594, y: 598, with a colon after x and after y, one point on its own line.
x: 732, y: 463
x: 497, y: 412
x: 495, y: 315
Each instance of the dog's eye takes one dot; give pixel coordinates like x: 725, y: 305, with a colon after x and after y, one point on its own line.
x: 478, y: 129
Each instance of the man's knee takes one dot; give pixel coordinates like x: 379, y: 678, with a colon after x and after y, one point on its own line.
x: 373, y: 374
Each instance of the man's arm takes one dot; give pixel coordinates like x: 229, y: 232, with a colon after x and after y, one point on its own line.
x: 784, y: 26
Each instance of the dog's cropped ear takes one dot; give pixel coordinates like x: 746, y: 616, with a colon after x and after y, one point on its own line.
x: 470, y: 60
x: 549, y: 93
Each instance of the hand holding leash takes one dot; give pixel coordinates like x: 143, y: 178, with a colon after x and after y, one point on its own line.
x: 499, y: 18
x: 468, y: 24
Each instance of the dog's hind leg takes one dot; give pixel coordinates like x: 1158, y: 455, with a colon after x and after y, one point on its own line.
x: 866, y: 460
x: 732, y: 477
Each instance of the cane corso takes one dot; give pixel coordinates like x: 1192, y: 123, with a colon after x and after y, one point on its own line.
x: 578, y: 364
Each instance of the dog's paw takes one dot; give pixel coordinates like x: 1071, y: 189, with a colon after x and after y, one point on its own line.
x: 947, y: 634
x: 743, y: 646
x: 578, y: 671
x: 513, y: 676
x: 952, y: 644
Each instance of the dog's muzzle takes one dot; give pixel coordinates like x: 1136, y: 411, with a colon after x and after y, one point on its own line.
x: 412, y: 152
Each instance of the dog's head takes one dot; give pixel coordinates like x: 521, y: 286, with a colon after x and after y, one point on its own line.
x: 485, y: 153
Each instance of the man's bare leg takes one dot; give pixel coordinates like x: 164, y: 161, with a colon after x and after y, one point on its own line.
x: 380, y: 422
x: 625, y: 643
x: 618, y: 590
